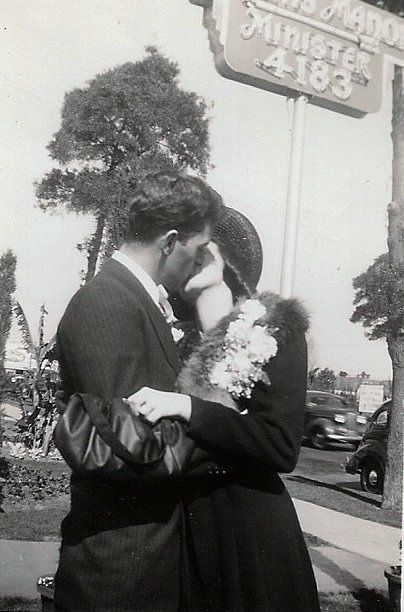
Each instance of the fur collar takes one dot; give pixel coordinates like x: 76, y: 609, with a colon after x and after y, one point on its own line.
x: 288, y: 316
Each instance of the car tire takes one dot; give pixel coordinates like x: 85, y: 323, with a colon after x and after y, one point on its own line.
x: 318, y: 439
x: 372, y: 476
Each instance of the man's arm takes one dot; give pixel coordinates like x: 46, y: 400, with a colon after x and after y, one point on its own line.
x: 102, y: 357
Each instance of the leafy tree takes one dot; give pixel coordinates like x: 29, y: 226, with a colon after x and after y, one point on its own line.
x: 343, y: 374
x: 323, y: 380
x: 125, y: 123
x: 8, y: 264
x: 379, y: 300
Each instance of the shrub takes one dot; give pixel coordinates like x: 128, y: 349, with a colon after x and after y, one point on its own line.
x: 34, y: 481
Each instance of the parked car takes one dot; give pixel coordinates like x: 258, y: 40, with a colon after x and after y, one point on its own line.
x: 370, y: 459
x: 329, y: 419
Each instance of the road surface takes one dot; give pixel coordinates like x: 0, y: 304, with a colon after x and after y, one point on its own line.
x: 324, y: 467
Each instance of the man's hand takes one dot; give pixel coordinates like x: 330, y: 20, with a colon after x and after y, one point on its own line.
x: 155, y: 405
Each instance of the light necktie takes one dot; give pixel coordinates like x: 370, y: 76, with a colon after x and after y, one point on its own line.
x: 165, y: 305
x: 169, y: 315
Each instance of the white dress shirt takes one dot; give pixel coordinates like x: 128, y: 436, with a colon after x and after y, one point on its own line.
x: 142, y: 276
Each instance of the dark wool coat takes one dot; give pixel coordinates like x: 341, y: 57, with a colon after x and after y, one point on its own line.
x: 120, y: 546
x: 245, y: 540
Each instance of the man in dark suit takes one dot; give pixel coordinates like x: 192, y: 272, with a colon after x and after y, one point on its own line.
x: 121, y: 544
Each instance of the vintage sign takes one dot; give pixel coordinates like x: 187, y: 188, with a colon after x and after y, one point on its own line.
x: 17, y: 358
x: 370, y: 397
x: 331, y: 50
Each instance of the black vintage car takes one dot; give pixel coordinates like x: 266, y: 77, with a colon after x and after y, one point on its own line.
x: 329, y: 419
x: 370, y: 459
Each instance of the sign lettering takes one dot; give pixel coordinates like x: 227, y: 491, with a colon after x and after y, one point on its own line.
x: 332, y: 50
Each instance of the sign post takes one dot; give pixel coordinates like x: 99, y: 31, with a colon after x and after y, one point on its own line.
x: 328, y: 52
x: 291, y: 223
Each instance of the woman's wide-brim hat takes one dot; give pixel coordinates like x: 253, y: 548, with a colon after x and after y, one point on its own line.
x: 240, y: 245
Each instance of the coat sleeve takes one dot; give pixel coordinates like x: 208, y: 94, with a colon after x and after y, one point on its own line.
x: 269, y: 436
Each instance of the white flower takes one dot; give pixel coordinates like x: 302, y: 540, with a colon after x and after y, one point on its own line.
x: 238, y: 331
x: 262, y: 346
x: 247, y: 348
x: 220, y: 375
x: 241, y: 363
x: 252, y: 310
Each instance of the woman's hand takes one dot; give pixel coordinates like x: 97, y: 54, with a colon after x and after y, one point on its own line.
x: 208, y: 291
x: 208, y: 273
x: 155, y: 405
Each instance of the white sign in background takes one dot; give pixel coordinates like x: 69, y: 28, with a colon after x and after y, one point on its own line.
x: 370, y: 397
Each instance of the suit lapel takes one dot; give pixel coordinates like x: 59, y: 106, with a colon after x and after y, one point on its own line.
x: 161, y: 327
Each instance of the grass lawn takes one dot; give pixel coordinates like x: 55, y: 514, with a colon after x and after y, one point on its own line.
x: 343, y: 501
x: 36, y: 523
x: 18, y: 604
x: 35, y: 500
x: 363, y: 601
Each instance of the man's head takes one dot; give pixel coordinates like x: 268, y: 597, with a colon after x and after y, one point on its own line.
x: 173, y: 216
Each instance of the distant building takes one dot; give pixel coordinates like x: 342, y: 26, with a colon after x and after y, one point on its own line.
x: 349, y: 385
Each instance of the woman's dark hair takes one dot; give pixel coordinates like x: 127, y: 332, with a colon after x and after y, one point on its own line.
x: 171, y: 200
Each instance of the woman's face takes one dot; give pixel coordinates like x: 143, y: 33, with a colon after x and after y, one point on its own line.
x: 208, y: 271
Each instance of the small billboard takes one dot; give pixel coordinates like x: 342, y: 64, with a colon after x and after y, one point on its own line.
x: 370, y: 398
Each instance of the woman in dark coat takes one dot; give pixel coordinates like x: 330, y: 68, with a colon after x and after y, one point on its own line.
x: 245, y: 548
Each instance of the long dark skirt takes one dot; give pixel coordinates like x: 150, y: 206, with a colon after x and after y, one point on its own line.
x: 247, y: 552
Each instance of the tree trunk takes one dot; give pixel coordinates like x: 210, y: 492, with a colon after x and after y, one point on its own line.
x: 392, y: 495
x: 94, y: 248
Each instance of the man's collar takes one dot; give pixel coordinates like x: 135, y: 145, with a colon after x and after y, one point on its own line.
x: 142, y: 276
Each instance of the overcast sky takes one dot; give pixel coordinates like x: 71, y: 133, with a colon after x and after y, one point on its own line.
x: 48, y: 47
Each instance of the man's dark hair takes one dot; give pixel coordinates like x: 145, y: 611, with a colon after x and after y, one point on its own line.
x: 171, y: 200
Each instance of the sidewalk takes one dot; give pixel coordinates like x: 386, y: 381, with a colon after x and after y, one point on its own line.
x: 359, y: 550
x: 356, y: 557
x: 21, y: 563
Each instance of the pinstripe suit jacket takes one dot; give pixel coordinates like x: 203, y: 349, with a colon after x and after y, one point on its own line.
x: 120, y: 547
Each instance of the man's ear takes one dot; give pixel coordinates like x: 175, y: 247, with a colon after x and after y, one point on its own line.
x: 168, y: 242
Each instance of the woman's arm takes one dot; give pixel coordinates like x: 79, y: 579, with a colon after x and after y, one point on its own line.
x: 267, y: 438
x: 211, y: 296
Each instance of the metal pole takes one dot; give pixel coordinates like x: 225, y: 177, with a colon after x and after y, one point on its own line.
x: 293, y: 197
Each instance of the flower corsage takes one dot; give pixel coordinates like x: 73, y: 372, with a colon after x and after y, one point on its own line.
x: 232, y: 356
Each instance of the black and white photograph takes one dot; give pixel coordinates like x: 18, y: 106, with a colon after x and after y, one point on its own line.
x: 201, y: 305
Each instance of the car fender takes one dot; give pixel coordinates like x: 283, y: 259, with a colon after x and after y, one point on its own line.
x: 373, y: 449
x: 322, y: 423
